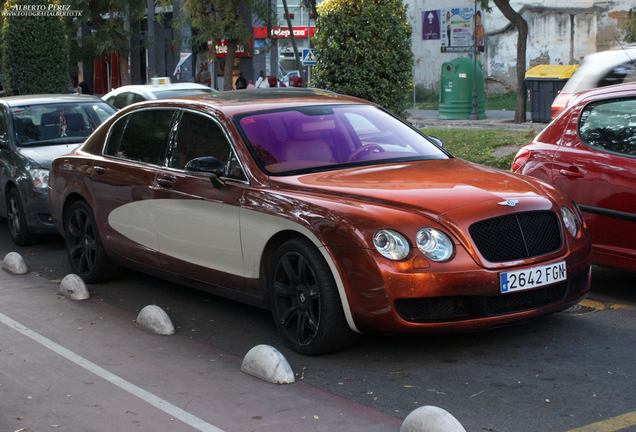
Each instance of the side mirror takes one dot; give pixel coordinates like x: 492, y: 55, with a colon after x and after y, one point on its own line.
x: 436, y: 141
x: 208, y: 165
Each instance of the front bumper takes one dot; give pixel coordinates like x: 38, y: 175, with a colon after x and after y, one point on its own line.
x: 36, y: 209
x: 414, y: 296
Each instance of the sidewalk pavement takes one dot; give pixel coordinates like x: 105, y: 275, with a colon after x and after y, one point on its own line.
x: 500, y: 119
x: 84, y: 365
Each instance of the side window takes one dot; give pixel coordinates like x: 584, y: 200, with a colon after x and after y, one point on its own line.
x: 114, y: 139
x: 120, y: 100
x: 143, y: 137
x: 200, y: 136
x: 622, y: 73
x: 137, y: 98
x: 610, y: 126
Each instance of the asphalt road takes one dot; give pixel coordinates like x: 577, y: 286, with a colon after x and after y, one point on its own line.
x: 562, y: 373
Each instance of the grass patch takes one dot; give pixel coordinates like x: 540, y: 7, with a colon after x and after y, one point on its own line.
x: 477, y: 145
x: 500, y: 101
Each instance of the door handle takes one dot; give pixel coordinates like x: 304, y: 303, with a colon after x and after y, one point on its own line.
x: 568, y: 173
x: 165, y: 182
x: 100, y: 169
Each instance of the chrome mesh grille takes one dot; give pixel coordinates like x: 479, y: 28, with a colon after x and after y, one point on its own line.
x: 517, y: 236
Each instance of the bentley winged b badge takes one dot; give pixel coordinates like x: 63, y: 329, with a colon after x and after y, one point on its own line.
x: 510, y: 203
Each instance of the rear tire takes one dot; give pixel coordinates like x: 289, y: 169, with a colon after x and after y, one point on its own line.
x: 305, y: 301
x: 84, y: 246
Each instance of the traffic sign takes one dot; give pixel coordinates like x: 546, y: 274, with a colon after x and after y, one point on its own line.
x: 309, y: 57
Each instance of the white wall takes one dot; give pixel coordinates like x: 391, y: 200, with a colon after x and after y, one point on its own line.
x: 561, y: 32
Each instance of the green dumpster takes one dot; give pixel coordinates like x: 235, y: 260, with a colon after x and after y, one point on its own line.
x: 456, y: 94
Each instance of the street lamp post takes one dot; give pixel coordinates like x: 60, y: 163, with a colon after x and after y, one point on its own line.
x: 473, y: 114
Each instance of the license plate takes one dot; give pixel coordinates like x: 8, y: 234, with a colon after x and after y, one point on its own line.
x: 532, y: 277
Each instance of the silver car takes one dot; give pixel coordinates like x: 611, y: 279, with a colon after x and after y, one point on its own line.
x: 34, y: 130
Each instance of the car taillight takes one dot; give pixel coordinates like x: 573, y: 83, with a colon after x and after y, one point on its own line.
x: 560, y: 103
x: 520, y: 160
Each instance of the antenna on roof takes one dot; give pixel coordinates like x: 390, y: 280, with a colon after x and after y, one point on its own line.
x: 626, y: 53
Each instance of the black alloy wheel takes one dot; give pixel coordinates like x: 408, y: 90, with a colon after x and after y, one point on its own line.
x: 84, y: 246
x: 305, y: 301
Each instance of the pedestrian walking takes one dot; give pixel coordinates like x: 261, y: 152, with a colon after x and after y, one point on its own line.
x: 262, y: 82
x: 241, y: 82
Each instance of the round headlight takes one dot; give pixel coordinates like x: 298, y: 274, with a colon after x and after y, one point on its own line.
x: 391, y: 245
x: 569, y: 219
x: 434, y: 244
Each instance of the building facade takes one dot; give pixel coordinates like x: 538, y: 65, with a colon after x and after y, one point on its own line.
x: 559, y: 33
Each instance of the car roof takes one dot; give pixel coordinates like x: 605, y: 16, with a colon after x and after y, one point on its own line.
x: 151, y: 88
x: 43, y: 99
x: 618, y: 90
x: 244, y: 101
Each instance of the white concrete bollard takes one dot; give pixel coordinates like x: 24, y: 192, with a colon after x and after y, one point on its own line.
x: 74, y: 288
x: 155, y: 320
x: 267, y: 363
x: 431, y: 419
x: 14, y: 263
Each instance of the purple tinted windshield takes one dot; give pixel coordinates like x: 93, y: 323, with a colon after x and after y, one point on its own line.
x: 322, y: 136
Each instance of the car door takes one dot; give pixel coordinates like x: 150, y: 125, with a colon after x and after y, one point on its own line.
x: 123, y: 181
x: 198, y: 224
x: 595, y: 166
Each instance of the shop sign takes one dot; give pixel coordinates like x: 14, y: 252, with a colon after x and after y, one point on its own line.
x: 281, y: 32
x: 221, y: 49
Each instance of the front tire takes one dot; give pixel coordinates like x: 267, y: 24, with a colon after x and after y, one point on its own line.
x: 16, y: 217
x: 305, y: 301
x: 84, y: 246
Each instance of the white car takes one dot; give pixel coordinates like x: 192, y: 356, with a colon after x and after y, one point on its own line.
x: 615, y: 66
x: 126, y: 95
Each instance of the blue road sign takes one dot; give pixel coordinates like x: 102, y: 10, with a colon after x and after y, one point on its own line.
x: 309, y: 57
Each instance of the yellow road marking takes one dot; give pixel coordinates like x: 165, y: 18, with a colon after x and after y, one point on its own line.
x: 611, y: 425
x: 604, y: 306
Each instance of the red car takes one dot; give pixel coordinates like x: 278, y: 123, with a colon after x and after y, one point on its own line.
x: 589, y: 152
x: 338, y: 216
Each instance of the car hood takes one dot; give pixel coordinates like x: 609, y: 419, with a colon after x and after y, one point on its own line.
x: 44, y: 155
x: 433, y: 187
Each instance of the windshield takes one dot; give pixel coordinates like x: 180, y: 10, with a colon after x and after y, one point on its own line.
x: 58, y: 123
x: 316, y: 138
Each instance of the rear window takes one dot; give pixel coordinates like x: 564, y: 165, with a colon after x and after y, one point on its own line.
x: 287, y: 142
x: 610, y: 126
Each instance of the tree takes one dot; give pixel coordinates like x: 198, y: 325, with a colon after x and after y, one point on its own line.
x: 522, y: 40
x: 629, y: 27
x: 110, y: 29
x: 222, y: 19
x: 35, y: 49
x: 363, y: 49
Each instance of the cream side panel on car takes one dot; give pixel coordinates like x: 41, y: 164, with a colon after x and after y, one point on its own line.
x: 136, y: 221
x: 213, y: 235
x: 201, y: 232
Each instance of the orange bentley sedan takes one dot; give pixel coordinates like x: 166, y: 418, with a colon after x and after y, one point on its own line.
x: 338, y: 216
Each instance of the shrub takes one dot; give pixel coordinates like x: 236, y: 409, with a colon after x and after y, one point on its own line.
x: 35, y: 49
x: 363, y: 49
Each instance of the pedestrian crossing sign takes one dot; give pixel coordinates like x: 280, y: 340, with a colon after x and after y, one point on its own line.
x: 309, y: 58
